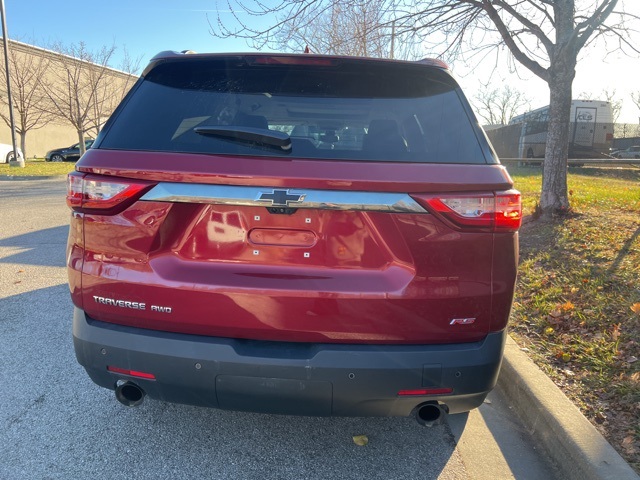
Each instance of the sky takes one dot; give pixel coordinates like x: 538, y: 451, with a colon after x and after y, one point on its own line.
x: 146, y: 27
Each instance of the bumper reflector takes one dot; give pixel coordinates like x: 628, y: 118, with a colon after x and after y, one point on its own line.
x: 425, y: 391
x: 132, y: 373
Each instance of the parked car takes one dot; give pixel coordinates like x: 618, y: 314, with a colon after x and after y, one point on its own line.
x: 7, y: 153
x: 67, y: 154
x: 217, y: 259
x: 631, y: 152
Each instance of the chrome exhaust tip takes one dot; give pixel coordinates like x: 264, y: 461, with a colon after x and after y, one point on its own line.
x: 129, y: 394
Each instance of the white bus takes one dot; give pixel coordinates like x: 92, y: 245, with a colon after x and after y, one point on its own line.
x: 590, y: 134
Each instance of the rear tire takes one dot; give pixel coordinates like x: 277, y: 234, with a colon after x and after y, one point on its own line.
x: 57, y: 158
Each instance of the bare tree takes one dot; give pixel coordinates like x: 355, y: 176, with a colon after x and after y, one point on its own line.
x: 80, y: 91
x: 499, y: 105
x: 635, y: 96
x: 27, y: 71
x: 616, y: 104
x: 355, y: 29
x: 545, y: 36
x: 110, y: 90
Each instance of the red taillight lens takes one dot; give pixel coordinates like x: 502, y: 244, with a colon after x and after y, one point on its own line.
x: 508, y: 211
x: 132, y: 373
x: 74, y: 189
x: 87, y: 192
x: 500, y: 211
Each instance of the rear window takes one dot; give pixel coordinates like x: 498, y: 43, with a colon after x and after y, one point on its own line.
x: 345, y: 111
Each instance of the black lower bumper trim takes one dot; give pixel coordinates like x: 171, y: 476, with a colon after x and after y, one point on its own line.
x: 288, y: 378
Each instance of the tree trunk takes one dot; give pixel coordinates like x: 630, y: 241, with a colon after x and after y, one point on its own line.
x: 81, y: 142
x: 554, y: 198
x: 23, y: 144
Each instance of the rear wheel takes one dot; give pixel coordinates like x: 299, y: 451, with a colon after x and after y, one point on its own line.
x: 57, y: 158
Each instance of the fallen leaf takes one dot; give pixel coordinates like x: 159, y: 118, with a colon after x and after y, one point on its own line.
x: 615, y: 334
x: 632, y: 359
x: 555, y: 313
x: 549, y: 330
x: 20, y: 271
x: 360, y: 440
x: 17, y: 281
x: 566, y: 357
x: 635, y: 308
x: 567, y: 306
x: 627, y: 441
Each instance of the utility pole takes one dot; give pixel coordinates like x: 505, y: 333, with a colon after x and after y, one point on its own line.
x: 17, y: 160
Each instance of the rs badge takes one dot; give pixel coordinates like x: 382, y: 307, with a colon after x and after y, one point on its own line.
x: 462, y: 321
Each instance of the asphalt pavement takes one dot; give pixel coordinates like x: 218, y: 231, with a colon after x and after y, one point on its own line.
x: 56, y: 424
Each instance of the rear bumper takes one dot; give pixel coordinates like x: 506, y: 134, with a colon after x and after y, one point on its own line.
x: 288, y: 378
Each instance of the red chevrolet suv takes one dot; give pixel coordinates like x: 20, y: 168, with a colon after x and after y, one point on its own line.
x: 295, y: 234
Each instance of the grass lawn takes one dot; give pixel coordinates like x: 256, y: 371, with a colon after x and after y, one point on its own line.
x: 577, y: 305
x: 37, y: 168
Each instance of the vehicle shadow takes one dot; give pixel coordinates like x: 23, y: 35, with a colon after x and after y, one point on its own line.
x: 44, y: 247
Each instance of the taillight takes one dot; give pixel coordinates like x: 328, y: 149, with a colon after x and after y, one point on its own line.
x: 93, y: 193
x: 496, y: 212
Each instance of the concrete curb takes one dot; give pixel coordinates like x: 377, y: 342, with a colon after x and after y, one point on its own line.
x: 575, y: 447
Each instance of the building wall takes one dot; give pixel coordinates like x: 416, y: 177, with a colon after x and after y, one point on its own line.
x: 59, y: 133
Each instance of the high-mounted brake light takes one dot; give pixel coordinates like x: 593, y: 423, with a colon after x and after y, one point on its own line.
x: 497, y: 212
x: 93, y: 192
x: 292, y: 60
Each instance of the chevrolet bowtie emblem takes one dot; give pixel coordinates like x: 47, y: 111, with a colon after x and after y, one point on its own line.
x: 281, y: 198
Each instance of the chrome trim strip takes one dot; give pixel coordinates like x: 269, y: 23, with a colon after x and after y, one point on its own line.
x: 316, y: 199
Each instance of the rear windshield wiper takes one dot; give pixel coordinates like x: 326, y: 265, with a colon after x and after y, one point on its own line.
x: 260, y: 136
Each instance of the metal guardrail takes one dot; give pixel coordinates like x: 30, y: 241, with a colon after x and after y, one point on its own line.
x: 632, y: 162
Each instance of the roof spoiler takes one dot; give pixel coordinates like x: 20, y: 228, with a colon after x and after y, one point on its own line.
x: 165, y: 55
